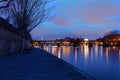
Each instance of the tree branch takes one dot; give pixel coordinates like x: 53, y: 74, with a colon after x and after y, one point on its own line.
x: 7, y: 4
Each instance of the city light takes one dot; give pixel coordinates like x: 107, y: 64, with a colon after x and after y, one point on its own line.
x: 86, y: 39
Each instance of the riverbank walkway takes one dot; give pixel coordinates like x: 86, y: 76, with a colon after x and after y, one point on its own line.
x: 37, y: 65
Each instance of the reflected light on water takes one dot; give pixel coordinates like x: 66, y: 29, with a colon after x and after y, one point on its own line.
x: 54, y: 50
x: 86, y: 52
x: 96, y: 51
x: 66, y: 51
x: 101, y: 51
x: 119, y: 54
x: 59, y: 54
x: 91, y: 52
x: 107, y: 51
x: 114, y: 47
x: 46, y: 48
x: 76, y: 56
x: 84, y: 58
x: 81, y: 49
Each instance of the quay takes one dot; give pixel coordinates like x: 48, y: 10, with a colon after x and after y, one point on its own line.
x: 38, y: 65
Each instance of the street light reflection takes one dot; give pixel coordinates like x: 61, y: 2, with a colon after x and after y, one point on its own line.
x: 59, y: 54
x: 107, y: 51
x: 66, y: 51
x: 86, y: 52
x: 76, y: 53
x: 96, y: 51
x: 54, y: 50
x: 101, y: 51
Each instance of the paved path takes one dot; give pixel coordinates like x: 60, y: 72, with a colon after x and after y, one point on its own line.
x: 37, y: 65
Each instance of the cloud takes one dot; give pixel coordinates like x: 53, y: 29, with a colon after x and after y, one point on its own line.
x: 61, y: 22
x: 92, y: 18
x: 91, y: 12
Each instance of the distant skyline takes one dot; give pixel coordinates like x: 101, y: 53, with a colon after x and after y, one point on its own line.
x: 86, y: 18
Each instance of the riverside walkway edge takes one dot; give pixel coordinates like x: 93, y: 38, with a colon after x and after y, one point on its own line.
x: 38, y: 64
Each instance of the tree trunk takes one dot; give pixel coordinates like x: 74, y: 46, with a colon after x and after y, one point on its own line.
x: 21, y: 41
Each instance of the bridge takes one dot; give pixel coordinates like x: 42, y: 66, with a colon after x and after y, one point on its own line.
x: 40, y: 43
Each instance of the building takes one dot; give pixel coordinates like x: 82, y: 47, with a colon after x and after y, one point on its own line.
x: 112, y: 40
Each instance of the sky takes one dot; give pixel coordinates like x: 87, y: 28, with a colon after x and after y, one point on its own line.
x: 80, y: 18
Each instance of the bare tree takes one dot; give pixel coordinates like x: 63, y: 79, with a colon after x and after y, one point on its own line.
x: 4, y: 3
x: 28, y: 14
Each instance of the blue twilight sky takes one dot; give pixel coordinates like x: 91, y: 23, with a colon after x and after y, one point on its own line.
x: 87, y: 18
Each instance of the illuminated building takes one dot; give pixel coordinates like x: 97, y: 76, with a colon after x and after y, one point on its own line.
x: 112, y: 40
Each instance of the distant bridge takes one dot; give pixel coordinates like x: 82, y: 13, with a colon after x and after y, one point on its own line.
x: 63, y: 43
x: 47, y: 42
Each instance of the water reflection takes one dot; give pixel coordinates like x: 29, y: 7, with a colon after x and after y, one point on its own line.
x: 54, y: 50
x: 96, y: 51
x: 46, y: 48
x: 81, y: 49
x: 86, y: 52
x: 66, y: 50
x: 89, y: 59
x: 59, y: 54
x: 91, y: 53
x: 76, y: 53
x: 119, y: 54
x: 114, y: 48
x: 101, y: 51
x: 107, y: 51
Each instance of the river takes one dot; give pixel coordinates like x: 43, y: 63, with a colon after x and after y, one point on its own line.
x: 102, y: 63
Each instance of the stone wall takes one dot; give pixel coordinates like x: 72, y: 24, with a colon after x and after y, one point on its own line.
x: 10, y: 39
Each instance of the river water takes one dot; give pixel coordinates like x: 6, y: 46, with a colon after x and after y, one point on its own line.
x: 102, y: 63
